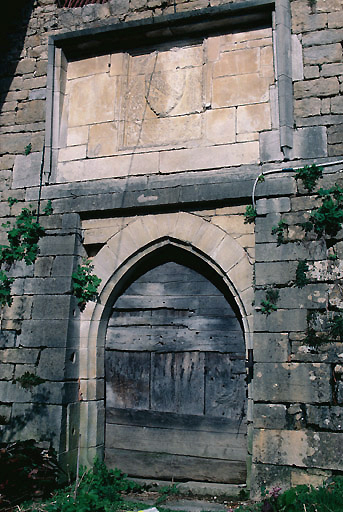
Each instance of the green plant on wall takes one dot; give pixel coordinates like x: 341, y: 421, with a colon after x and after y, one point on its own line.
x: 5, y: 289
x: 301, y: 278
x: 268, y: 305
x: 309, y: 175
x: 85, y: 283
x: 250, y: 214
x: 28, y: 380
x: 23, y: 237
x: 279, y: 230
x: 328, y: 218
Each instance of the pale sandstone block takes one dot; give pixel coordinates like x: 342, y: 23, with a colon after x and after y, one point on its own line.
x: 92, y: 100
x: 164, y: 94
x: 242, y: 274
x: 187, y: 226
x: 118, y: 64
x: 88, y: 67
x: 240, y: 90
x: 260, y: 43
x: 213, y: 47
x: 227, y: 254
x: 104, y: 265
x: 100, y: 230
x: 123, y: 245
x: 77, y: 136
x: 246, y: 137
x: 154, y: 132
x: 237, y: 63
x: 233, y: 224
x: 109, y: 167
x: 267, y: 61
x: 116, y: 224
x: 315, y: 477
x: 97, y: 236
x: 249, y: 35
x: 208, y: 238
x: 302, y: 448
x: 103, y: 139
x: 138, y: 230
x: 72, y: 153
x: 135, y: 106
x: 221, y: 125
x: 191, y: 98
x: 228, y: 47
x: 210, y: 157
x: 253, y: 118
x: 169, y: 60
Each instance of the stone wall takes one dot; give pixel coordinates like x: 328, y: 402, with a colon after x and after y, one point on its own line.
x: 296, y: 419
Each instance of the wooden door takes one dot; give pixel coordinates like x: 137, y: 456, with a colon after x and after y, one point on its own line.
x: 175, y: 380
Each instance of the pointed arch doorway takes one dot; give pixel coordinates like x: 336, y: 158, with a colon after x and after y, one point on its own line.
x: 175, y: 374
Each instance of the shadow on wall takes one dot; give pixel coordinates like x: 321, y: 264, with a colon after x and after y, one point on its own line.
x: 13, y: 26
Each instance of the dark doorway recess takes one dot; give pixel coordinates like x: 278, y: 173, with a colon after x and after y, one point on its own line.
x: 175, y: 375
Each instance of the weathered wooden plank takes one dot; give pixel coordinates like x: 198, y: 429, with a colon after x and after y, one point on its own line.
x: 195, y: 322
x: 215, y: 445
x: 177, y: 302
x: 175, y: 421
x: 127, y: 379
x: 171, y: 271
x: 189, y: 287
x: 176, y: 467
x: 225, y: 385
x: 160, y: 340
x: 177, y: 382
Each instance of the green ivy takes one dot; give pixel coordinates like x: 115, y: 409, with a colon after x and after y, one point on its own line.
x: 269, y: 304
x: 336, y: 327
x: 309, y: 175
x: 48, y: 210
x: 28, y: 380
x: 5, y: 289
x: 23, y: 240
x: 85, y: 284
x: 279, y: 230
x: 28, y: 149
x: 12, y: 200
x: 250, y: 214
x: 301, y: 278
x: 327, y: 219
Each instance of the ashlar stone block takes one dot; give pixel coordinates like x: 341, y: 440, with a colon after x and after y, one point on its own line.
x: 209, y: 157
x: 92, y: 100
x: 103, y: 139
x: 237, y: 62
x: 270, y: 416
x: 86, y: 67
x: 253, y: 118
x: 271, y: 347
x: 221, y: 125
x: 77, y: 136
x: 292, y: 382
x: 299, y: 448
x: 240, y: 90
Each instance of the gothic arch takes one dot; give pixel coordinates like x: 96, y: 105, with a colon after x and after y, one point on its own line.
x: 116, y: 260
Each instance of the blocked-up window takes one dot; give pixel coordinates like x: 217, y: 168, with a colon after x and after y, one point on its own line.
x: 169, y: 108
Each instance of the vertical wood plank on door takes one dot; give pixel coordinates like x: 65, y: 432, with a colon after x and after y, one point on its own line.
x: 177, y: 382
x: 127, y: 379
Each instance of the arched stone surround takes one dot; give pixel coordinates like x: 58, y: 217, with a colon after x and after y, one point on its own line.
x: 114, y: 264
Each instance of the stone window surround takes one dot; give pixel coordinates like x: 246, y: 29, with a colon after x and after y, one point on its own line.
x: 171, y: 27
